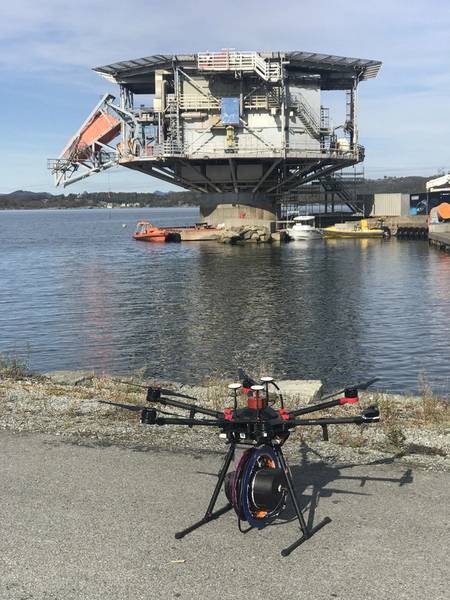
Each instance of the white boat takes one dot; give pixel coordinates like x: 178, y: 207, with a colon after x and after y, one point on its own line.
x: 303, y: 229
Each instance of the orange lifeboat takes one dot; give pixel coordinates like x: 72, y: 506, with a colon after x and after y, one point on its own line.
x: 443, y: 211
x: 146, y: 232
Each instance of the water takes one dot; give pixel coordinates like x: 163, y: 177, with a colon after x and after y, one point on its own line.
x: 77, y: 292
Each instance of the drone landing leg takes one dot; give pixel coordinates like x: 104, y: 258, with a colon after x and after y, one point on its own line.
x: 307, y: 532
x: 210, y: 515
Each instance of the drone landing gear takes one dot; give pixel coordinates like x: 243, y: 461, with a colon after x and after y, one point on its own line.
x: 210, y: 514
x: 307, y: 532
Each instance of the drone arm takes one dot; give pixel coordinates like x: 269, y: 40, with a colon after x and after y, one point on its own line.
x: 350, y: 397
x: 190, y: 422
x: 132, y: 407
x: 369, y: 415
x: 336, y: 421
x: 153, y: 396
x: 316, y: 407
x: 149, y: 417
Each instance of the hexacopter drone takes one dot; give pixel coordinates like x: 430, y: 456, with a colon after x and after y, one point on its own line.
x: 258, y: 487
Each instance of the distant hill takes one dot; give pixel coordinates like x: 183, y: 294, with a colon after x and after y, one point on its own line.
x: 407, y: 185
x: 31, y: 200
x: 26, y: 199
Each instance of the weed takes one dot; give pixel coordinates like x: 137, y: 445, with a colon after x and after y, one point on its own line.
x: 434, y: 410
x: 13, y: 367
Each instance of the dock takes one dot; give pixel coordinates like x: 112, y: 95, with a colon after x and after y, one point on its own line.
x: 407, y: 227
x: 440, y: 239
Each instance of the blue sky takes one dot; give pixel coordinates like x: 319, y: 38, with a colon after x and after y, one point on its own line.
x: 48, y: 47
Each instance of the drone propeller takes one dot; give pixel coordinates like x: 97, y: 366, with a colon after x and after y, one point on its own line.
x: 358, y: 386
x: 245, y: 378
x: 157, y: 390
x: 131, y: 407
x: 135, y: 408
x: 166, y: 392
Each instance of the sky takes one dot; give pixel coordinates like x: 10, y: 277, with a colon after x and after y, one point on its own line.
x: 49, y: 47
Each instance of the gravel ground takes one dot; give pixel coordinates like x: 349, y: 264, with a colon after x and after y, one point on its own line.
x: 414, y: 430
x: 98, y: 522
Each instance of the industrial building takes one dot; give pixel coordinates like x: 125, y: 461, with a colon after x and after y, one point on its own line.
x: 244, y: 128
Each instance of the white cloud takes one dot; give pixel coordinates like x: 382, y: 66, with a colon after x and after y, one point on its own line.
x: 59, y: 42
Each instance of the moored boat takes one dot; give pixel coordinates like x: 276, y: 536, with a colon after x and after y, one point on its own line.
x: 303, y: 229
x: 146, y: 232
x: 200, y: 232
x: 353, y: 230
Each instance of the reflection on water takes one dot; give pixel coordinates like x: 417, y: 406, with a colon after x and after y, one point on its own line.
x: 82, y: 294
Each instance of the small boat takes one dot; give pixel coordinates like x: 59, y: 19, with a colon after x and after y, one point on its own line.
x: 146, y: 232
x: 303, y: 229
x: 200, y: 232
x: 353, y: 230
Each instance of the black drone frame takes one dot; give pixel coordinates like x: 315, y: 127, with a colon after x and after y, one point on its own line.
x: 253, y: 426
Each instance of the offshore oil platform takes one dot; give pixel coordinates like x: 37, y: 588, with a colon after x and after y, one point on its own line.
x: 243, y: 128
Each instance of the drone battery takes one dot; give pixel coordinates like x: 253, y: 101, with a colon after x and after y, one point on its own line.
x: 268, y: 488
x: 256, y: 402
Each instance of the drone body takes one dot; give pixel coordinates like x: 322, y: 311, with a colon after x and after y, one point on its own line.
x: 260, y: 484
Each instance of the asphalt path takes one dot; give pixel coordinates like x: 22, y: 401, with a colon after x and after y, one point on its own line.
x: 80, y: 522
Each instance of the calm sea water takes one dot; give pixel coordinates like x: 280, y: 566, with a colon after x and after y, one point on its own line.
x: 77, y: 292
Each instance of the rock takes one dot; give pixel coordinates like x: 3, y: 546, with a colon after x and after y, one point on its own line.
x: 70, y: 377
x: 276, y: 236
x: 300, y: 391
x: 244, y: 234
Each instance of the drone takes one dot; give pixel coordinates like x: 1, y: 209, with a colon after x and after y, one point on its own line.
x: 260, y: 482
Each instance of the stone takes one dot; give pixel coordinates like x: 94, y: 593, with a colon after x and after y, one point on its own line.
x: 70, y: 377
x: 297, y: 392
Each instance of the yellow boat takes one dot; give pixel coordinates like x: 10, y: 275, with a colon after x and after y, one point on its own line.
x: 353, y: 229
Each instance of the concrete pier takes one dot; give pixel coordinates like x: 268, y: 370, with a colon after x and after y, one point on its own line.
x: 439, y: 236
x: 412, y: 226
x: 236, y: 209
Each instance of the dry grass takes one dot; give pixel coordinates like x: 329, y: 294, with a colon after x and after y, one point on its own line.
x: 434, y: 410
x: 13, y: 367
x: 408, y: 424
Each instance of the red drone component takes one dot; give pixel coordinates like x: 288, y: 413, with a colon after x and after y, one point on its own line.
x: 283, y: 414
x: 228, y: 414
x: 345, y: 400
x: 350, y: 396
x: 256, y: 402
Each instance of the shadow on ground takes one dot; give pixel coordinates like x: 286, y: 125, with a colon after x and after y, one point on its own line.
x: 314, y: 480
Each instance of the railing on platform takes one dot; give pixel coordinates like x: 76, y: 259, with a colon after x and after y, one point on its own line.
x: 239, y: 61
x: 259, y: 150
x: 209, y: 102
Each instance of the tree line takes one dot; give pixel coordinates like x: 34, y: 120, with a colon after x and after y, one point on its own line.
x: 26, y: 199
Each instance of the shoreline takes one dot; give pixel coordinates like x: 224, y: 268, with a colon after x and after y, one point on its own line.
x: 28, y: 208
x: 413, y: 430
